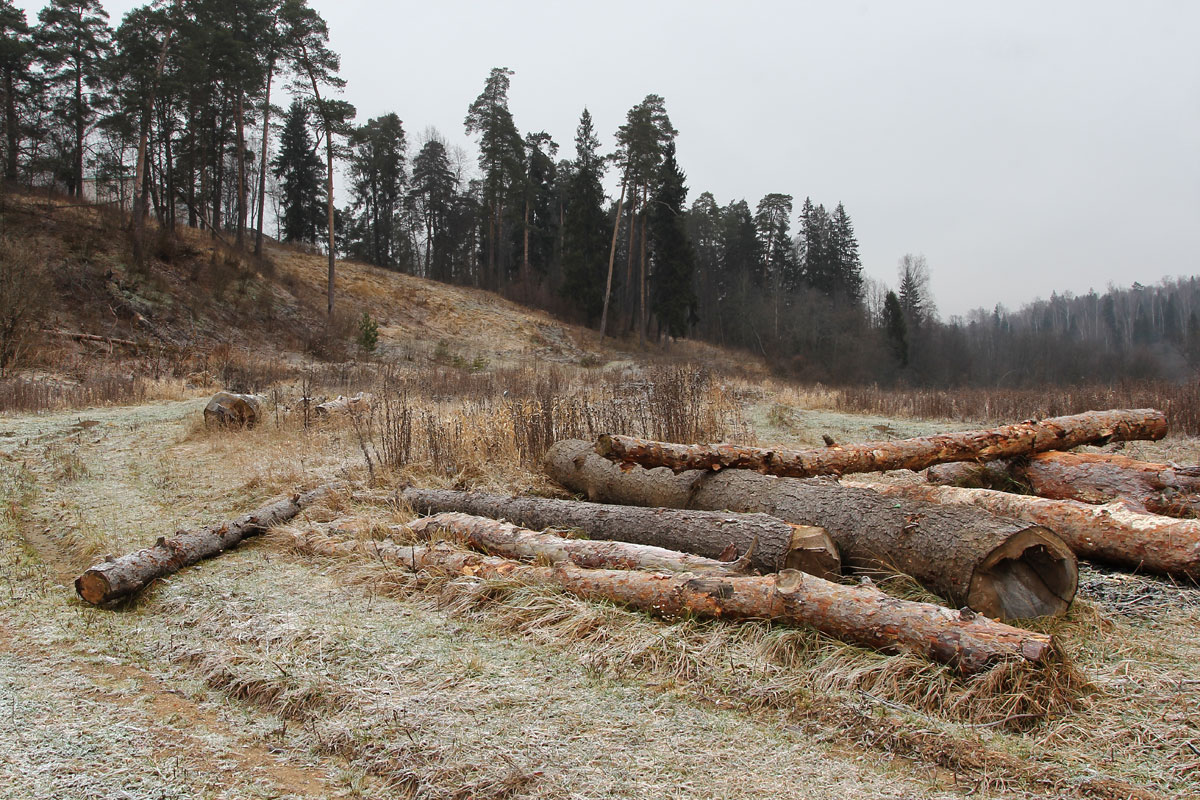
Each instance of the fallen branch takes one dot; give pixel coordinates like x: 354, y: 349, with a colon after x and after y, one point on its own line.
x: 998, y: 566
x: 114, y: 579
x: 861, y: 615
x: 510, y: 541
x: 776, y: 544
x: 1115, y: 533
x: 1058, y: 433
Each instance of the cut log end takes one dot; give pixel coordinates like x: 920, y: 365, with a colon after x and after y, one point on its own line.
x: 93, y: 587
x: 1033, y: 574
x: 814, y: 552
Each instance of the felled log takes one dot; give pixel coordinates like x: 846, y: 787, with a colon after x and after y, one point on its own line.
x: 861, y: 615
x: 994, y: 565
x: 1087, y: 477
x: 359, y: 403
x: 769, y: 543
x: 1115, y: 533
x: 1058, y: 433
x: 114, y: 579
x: 510, y: 541
x: 233, y: 410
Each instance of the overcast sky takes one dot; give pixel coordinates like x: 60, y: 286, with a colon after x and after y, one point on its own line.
x: 1023, y: 148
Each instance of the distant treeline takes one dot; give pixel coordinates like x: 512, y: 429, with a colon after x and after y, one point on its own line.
x: 170, y: 116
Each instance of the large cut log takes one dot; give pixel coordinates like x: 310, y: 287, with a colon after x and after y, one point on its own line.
x: 1115, y: 533
x: 1058, y: 433
x: 231, y: 410
x: 861, y: 615
x: 770, y: 543
x: 1095, y: 478
x: 121, y: 577
x: 997, y: 566
x: 505, y: 539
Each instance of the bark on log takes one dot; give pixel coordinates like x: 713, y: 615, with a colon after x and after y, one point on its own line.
x: 118, y: 578
x: 777, y: 545
x: 996, y: 566
x: 862, y: 615
x: 1058, y: 433
x: 1115, y: 533
x: 1095, y: 478
x: 510, y: 541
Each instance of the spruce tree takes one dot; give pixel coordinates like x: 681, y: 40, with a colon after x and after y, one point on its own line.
x: 432, y: 194
x: 585, y: 226
x: 673, y: 260
x: 299, y: 169
x: 377, y: 181
x: 848, y: 266
x: 73, y: 40
x: 895, y: 328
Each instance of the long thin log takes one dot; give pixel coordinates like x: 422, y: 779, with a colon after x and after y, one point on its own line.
x: 861, y: 615
x: 769, y: 543
x: 1115, y: 533
x: 1087, y: 477
x: 510, y: 541
x: 1024, y: 438
x: 121, y: 577
x: 997, y: 566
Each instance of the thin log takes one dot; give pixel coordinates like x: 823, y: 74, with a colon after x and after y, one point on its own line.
x: 1116, y: 533
x: 997, y: 566
x: 1024, y: 438
x: 1095, y: 478
x: 775, y: 545
x: 510, y: 541
x: 861, y: 615
x: 118, y: 578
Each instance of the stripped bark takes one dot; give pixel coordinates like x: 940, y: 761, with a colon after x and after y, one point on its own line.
x: 1116, y: 533
x: 994, y: 565
x: 1095, y: 478
x: 510, y: 541
x: 1058, y: 433
x: 861, y: 615
x: 770, y: 544
x: 115, y: 579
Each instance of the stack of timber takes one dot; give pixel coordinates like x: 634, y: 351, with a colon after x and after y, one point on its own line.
x: 1001, y: 567
x: 859, y: 614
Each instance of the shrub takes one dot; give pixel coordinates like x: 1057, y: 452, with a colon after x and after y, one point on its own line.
x: 368, y: 332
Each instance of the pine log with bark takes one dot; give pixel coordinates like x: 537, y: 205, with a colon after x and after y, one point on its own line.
x: 1024, y: 438
x: 1116, y: 533
x: 118, y: 578
x: 1095, y: 478
x: 994, y: 565
x: 499, y: 538
x: 861, y: 615
x: 768, y: 543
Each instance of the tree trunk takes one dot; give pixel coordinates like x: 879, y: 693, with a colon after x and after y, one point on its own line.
x: 240, y: 123
x: 10, y: 127
x: 769, y: 544
x: 996, y: 566
x: 1087, y: 477
x: 642, y: 315
x: 510, y: 541
x: 262, y: 161
x: 125, y: 576
x: 1116, y: 533
x: 138, y: 206
x: 1058, y: 433
x: 862, y: 615
x: 612, y: 256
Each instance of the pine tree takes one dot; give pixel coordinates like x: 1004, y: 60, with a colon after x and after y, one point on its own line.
x: 16, y: 53
x: 377, y: 181
x: 585, y: 225
x: 433, y: 196
x: 501, y: 161
x: 673, y: 260
x: 299, y: 169
x: 73, y: 40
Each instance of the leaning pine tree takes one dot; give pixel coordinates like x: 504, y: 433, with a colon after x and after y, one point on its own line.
x: 673, y: 259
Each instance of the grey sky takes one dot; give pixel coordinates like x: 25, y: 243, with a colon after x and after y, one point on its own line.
x: 1023, y: 147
